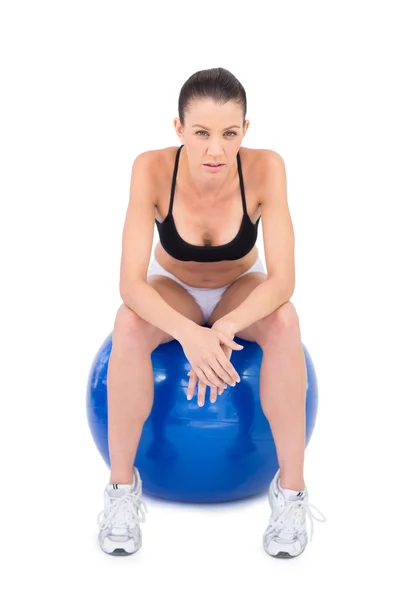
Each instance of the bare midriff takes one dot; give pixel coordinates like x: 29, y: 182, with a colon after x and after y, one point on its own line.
x: 204, y: 275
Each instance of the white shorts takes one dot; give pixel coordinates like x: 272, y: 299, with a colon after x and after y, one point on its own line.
x: 206, y: 298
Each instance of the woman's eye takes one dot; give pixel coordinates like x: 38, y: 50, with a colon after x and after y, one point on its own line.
x: 232, y: 132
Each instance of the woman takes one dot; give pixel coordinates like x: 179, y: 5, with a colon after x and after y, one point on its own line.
x: 206, y: 269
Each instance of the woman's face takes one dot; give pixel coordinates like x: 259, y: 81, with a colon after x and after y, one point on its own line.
x: 212, y: 133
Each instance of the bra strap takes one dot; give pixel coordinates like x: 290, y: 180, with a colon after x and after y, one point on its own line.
x: 171, y: 200
x: 239, y: 164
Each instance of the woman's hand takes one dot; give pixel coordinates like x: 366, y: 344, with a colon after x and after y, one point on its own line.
x: 227, y: 329
x: 208, y: 359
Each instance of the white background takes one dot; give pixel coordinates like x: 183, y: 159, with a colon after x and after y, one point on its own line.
x: 86, y: 87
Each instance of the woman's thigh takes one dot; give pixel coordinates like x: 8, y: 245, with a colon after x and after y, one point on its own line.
x: 177, y: 297
x: 235, y: 294
x: 128, y: 325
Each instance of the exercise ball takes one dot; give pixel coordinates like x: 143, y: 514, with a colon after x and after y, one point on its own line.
x: 218, y: 452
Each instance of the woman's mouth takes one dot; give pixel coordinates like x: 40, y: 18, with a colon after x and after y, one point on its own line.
x: 214, y: 166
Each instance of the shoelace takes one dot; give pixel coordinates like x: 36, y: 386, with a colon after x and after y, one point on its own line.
x: 292, y: 510
x: 130, y: 508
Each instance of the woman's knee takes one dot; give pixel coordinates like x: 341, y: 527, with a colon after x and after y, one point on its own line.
x: 284, y: 320
x: 132, y: 331
x: 285, y: 317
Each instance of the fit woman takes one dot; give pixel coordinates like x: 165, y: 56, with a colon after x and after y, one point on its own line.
x: 206, y: 269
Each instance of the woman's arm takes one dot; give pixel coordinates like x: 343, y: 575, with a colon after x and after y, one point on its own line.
x: 278, y: 236
x: 137, y: 240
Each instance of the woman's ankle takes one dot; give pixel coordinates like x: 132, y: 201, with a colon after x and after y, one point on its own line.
x: 122, y: 477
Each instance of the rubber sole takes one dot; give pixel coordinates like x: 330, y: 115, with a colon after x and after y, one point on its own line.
x: 285, y: 555
x: 282, y: 554
x: 119, y: 552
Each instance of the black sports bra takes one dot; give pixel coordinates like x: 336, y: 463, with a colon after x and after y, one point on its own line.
x: 237, y: 248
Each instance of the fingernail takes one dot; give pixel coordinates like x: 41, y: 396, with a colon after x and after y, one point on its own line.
x: 189, y: 397
x: 238, y: 380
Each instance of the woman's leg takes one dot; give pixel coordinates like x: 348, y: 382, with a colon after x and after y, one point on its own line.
x: 283, y: 378
x: 283, y: 387
x: 130, y: 386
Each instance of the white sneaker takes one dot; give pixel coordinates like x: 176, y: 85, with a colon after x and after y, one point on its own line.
x: 119, y: 521
x: 286, y: 535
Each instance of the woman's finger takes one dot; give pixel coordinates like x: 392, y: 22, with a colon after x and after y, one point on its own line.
x: 212, y: 376
x: 222, y: 373
x: 227, y: 352
x: 201, y: 393
x: 230, y: 343
x: 228, y: 366
x: 203, y: 377
x: 193, y: 379
x: 213, y: 394
x: 214, y: 390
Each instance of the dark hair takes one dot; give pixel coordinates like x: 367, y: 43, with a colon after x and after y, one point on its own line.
x: 219, y: 84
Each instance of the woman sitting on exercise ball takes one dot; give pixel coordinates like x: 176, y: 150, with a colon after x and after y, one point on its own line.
x: 207, y: 270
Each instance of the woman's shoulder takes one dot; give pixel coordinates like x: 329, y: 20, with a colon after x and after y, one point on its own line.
x: 154, y: 165
x: 257, y: 163
x: 258, y: 156
x: 158, y: 160
x: 159, y: 154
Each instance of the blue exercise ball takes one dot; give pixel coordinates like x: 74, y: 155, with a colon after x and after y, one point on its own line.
x: 215, y: 453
